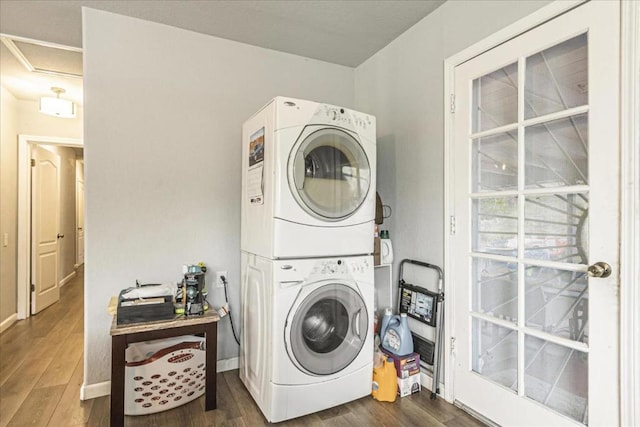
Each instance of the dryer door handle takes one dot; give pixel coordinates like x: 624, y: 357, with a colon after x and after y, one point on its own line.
x: 355, y: 323
x: 299, y: 170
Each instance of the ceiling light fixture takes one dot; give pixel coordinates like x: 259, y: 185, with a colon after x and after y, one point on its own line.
x: 57, y: 106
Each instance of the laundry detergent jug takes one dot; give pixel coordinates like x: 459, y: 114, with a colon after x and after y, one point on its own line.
x: 397, y: 337
x: 385, y: 385
x: 386, y: 316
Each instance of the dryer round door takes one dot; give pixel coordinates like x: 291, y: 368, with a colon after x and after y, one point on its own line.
x: 329, y: 173
x: 327, y: 330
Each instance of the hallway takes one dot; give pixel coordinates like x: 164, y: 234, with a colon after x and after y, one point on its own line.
x: 41, y: 371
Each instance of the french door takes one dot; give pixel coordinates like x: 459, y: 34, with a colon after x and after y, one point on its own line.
x: 536, y: 149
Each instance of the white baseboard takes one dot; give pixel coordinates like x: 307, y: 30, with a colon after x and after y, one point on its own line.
x: 10, y: 321
x: 68, y: 278
x: 426, y: 380
x: 228, y: 364
x: 93, y: 391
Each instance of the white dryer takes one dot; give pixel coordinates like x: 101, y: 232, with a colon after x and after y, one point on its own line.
x: 308, y: 180
x: 307, y: 335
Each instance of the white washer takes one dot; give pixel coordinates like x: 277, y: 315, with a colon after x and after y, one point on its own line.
x: 308, y: 180
x: 307, y: 335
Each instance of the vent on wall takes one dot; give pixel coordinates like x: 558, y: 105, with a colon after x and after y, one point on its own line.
x: 46, y: 58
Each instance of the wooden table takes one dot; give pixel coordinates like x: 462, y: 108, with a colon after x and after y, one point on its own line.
x: 123, y: 335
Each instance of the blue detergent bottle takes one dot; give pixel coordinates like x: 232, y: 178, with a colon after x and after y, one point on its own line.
x: 387, y: 315
x: 397, y: 337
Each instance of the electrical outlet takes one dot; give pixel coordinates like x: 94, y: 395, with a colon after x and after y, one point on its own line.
x: 219, y: 274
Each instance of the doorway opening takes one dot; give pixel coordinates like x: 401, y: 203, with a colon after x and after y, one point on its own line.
x: 27, y: 145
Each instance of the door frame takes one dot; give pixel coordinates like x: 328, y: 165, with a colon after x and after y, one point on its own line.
x: 630, y: 185
x: 79, y: 164
x: 24, y: 208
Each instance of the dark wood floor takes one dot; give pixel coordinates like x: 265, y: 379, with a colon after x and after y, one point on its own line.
x: 41, y: 372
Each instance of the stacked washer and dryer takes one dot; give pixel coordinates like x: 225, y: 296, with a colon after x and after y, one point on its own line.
x: 307, y: 291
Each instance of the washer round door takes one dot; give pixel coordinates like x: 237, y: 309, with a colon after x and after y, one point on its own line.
x: 327, y: 330
x: 329, y: 173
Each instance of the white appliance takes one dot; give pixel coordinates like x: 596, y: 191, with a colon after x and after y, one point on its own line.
x: 307, y: 339
x: 308, y: 180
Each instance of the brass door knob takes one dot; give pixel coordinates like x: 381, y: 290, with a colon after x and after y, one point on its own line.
x: 599, y: 269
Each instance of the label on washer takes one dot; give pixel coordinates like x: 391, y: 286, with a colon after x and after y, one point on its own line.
x: 255, y: 172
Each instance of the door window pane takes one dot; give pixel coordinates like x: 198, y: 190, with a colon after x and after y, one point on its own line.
x: 557, y: 78
x: 495, y: 353
x: 496, y: 288
x: 557, y: 302
x: 556, y: 227
x: 557, y: 377
x: 495, y: 99
x: 556, y: 153
x: 495, y: 225
x: 495, y: 163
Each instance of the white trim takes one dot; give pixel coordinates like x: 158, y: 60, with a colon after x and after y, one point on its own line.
x: 426, y: 381
x: 6, y: 323
x: 93, y: 391
x: 228, y: 364
x: 630, y: 215
x: 527, y: 23
x: 24, y: 207
x: 67, y: 279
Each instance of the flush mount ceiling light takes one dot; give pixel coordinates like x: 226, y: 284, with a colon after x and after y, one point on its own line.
x: 57, y: 106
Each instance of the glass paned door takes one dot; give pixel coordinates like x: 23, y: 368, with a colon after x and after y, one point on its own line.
x: 536, y: 205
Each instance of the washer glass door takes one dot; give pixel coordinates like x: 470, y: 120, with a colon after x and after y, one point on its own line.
x: 328, y: 329
x: 329, y: 173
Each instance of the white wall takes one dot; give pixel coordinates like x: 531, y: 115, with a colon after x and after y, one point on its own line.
x: 8, y: 203
x: 403, y: 85
x: 164, y: 111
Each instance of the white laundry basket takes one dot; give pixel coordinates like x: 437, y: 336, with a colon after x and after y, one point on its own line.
x: 163, y: 374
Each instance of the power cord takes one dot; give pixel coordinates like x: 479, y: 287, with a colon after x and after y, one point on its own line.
x: 226, y: 298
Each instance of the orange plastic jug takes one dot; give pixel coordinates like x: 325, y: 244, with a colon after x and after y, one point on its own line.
x: 385, y: 384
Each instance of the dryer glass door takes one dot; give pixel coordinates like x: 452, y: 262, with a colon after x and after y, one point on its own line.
x: 329, y: 173
x: 328, y: 329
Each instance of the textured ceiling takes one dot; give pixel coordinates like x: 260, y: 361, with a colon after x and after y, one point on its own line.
x: 345, y: 32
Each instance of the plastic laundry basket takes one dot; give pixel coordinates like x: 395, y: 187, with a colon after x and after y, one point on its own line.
x: 163, y: 374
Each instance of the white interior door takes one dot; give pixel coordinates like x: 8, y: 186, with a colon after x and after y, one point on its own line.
x: 45, y: 222
x: 80, y: 222
x: 536, y: 204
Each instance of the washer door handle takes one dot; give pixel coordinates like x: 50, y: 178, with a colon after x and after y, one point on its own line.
x: 355, y: 323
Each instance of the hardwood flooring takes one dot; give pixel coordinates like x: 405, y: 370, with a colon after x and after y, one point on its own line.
x: 41, y: 371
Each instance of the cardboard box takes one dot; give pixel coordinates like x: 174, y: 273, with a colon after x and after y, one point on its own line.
x: 409, y: 385
x: 376, y: 251
x: 406, y: 366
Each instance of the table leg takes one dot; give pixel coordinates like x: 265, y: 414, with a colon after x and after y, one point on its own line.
x: 118, y: 346
x: 211, y: 333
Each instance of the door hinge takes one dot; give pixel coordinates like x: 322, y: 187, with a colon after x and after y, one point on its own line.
x: 452, y: 225
x: 452, y: 344
x: 452, y: 103
x: 33, y: 163
x: 33, y: 287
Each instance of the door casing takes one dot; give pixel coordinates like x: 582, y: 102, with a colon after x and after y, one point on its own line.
x: 24, y: 209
